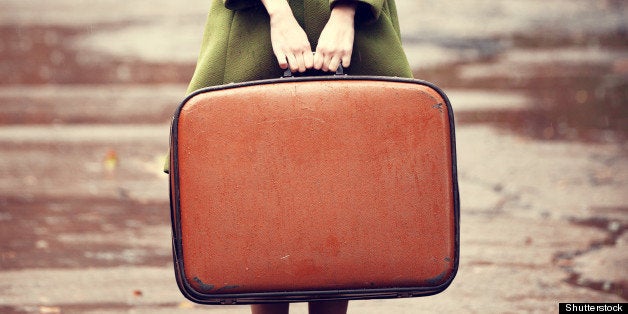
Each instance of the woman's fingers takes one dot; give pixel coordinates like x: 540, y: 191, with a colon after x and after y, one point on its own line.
x: 292, y: 61
x: 324, y: 61
x: 308, y: 59
x: 289, y: 41
x: 333, y: 64
x: 282, y: 60
x: 346, y: 61
x: 300, y: 60
x: 292, y: 47
x: 330, y: 60
x: 335, y: 43
x: 319, y: 59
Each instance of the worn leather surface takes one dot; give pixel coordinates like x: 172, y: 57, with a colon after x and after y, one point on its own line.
x: 315, y: 185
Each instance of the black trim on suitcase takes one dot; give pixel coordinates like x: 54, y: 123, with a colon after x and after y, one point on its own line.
x: 273, y: 297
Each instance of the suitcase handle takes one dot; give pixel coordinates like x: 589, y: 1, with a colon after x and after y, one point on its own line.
x: 288, y: 73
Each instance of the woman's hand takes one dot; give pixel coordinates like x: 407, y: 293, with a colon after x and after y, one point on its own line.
x: 289, y: 41
x: 335, y: 44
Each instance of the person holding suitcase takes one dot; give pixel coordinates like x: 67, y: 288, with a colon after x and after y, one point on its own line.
x: 247, y: 40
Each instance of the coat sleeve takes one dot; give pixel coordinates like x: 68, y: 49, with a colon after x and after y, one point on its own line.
x: 240, y: 4
x: 367, y: 11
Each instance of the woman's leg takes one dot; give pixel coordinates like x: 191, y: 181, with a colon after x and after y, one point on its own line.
x: 328, y: 307
x: 274, y: 308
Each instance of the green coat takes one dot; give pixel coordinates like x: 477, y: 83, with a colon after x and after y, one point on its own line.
x: 236, y: 43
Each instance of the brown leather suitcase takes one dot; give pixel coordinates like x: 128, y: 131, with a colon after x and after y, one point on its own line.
x: 314, y: 188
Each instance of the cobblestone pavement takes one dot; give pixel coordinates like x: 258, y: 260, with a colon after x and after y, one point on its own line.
x: 539, y: 94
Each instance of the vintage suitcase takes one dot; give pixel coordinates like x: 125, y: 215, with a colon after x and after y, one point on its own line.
x: 314, y: 188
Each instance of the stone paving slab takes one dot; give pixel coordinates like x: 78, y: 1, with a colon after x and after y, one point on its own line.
x: 59, y: 104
